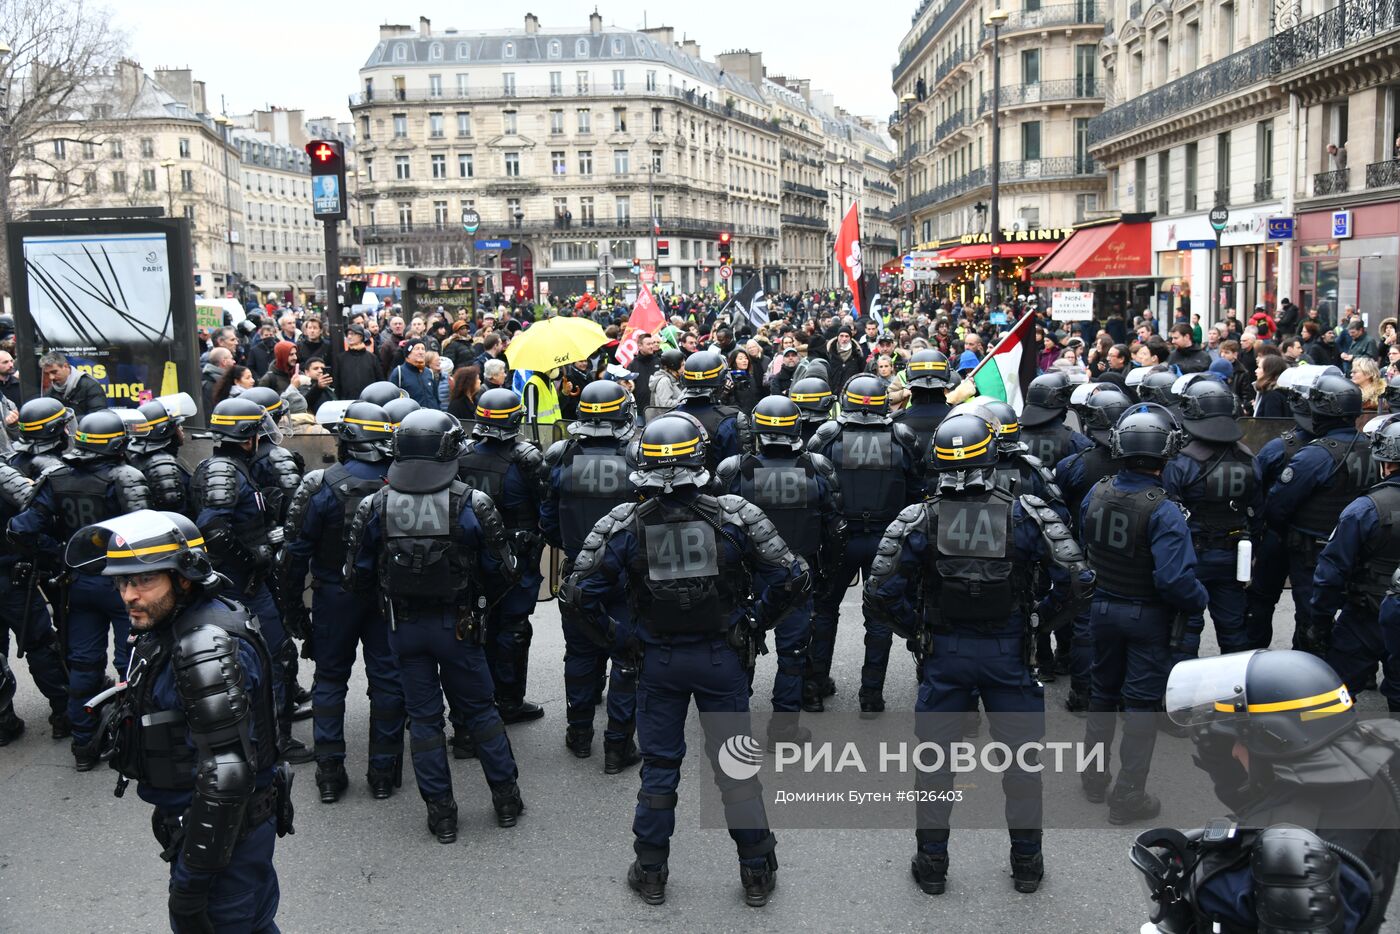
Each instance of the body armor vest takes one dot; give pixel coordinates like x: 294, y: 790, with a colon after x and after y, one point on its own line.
x: 711, y: 416
x: 79, y: 499
x: 254, y: 530
x: 268, y: 476
x: 978, y: 584
x: 168, y: 478
x: 1292, y: 444
x: 420, y: 556
x: 486, y: 471
x: 1220, y: 496
x: 1351, y: 473
x: 153, y: 746
x: 786, y: 490
x: 349, y: 491
x: 1116, y: 539
x: 594, y: 480
x: 1095, y: 465
x: 1370, y: 579
x: 1048, y: 443
x: 677, y: 583
x: 923, y: 419
x: 33, y: 465
x: 871, y: 472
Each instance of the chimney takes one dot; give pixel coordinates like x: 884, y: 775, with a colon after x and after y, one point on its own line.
x: 391, y: 31
x: 595, y: 22
x: 743, y: 64
x: 425, y: 27
x: 691, y: 47
x: 662, y: 34
x: 532, y: 24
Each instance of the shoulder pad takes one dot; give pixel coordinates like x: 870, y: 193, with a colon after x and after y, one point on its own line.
x: 763, y: 535
x: 296, y: 511
x: 619, y: 518
x: 217, y: 483
x: 526, y: 454
x: 132, y: 490
x: 910, y: 519
x: 904, y: 435
x: 15, y: 488
x: 487, y: 515
x: 209, y: 678
x: 286, y: 466
x: 826, y: 433
x: 555, y: 454
x: 725, y: 473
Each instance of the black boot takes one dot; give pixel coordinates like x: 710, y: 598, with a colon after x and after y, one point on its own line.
x: 442, y: 819
x: 1128, y: 802
x: 519, y: 711
x: 85, y: 758
x: 12, y: 728
x: 759, y: 883
x: 293, y: 749
x: 930, y: 872
x: 786, y: 731
x: 1027, y: 869
x: 872, y: 703
x: 301, y: 704
x: 382, y: 782
x: 331, y: 780
x: 972, y: 725
x: 812, y: 697
x: 619, y: 755
x: 579, y: 739
x: 1075, y: 702
x: 1095, y: 785
x: 506, y: 800
x: 650, y: 884
x: 61, y: 726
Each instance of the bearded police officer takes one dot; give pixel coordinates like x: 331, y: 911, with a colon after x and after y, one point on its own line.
x: 195, y: 724
x: 878, y: 466
x: 1312, y: 841
x: 929, y: 377
x: 154, y: 448
x: 318, y: 520
x: 687, y: 561
x: 510, y: 470
x: 704, y: 377
x: 800, y: 493
x: 1139, y: 546
x: 1043, y: 429
x: 587, y: 480
x: 1213, y: 477
x: 1354, y: 572
x: 814, y: 400
x: 92, y: 484
x: 43, y: 436
x: 954, y: 575
x: 1307, y: 499
x: 438, y: 554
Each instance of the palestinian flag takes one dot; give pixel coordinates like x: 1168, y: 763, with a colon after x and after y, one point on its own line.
x: 1006, y: 372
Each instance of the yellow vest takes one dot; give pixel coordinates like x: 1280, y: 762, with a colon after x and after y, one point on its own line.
x: 547, y: 410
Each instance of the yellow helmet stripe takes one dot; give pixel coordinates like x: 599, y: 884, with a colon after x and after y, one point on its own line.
x: 594, y: 408
x: 702, y: 374
x: 1009, y: 428
x: 775, y: 421
x: 1340, y: 694
x: 235, y: 419
x: 854, y: 399
x: 927, y: 365
x: 89, y: 438
x: 809, y: 396
x: 668, y: 450
x: 368, y: 425
x: 35, y: 426
x: 147, y: 426
x: 498, y: 413
x: 957, y: 454
x: 153, y: 549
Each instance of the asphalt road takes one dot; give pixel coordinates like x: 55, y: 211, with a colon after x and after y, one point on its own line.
x: 73, y: 858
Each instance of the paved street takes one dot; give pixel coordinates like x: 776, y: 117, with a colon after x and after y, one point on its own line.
x: 74, y: 858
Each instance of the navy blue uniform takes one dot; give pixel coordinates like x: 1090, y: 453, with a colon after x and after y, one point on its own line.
x: 1270, y: 570
x: 723, y: 427
x: 922, y: 418
x: 22, y: 607
x: 1076, y: 475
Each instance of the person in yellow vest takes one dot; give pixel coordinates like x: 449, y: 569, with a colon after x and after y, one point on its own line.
x: 541, y: 398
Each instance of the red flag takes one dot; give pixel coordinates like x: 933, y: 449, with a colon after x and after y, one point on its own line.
x: 646, y: 316
x: 848, y: 254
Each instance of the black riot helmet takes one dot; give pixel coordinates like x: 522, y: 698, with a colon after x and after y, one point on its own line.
x: 498, y: 414
x: 776, y: 424
x: 703, y: 375
x: 813, y: 397
x: 929, y: 369
x: 1099, y: 406
x: 397, y: 409
x: 605, y: 410
x: 1392, y: 393
x: 1146, y: 436
x: 366, y: 432
x: 273, y: 404
x: 1333, y: 401
x: 238, y: 419
x: 1047, y: 398
x: 864, y: 401
x: 381, y: 393
x: 43, y: 426
x: 1279, y: 704
x: 671, y: 453
x: 427, y: 435
x: 964, y: 441
x: 1008, y: 424
x: 1384, y: 432
x: 100, y: 434
x: 1296, y: 384
x: 1156, y: 386
x: 672, y: 359
x: 1208, y: 410
x: 159, y: 428
x: 141, y: 541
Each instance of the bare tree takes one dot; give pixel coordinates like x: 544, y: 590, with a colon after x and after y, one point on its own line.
x: 55, y: 46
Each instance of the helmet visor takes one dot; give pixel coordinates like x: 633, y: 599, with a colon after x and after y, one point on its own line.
x: 1207, y: 690
x: 145, y: 536
x: 1083, y: 391
x: 331, y: 414
x: 1301, y: 378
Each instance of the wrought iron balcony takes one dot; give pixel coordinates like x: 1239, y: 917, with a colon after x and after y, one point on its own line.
x: 945, y: 67
x: 1225, y: 78
x: 807, y: 190
x: 1034, y: 170
x: 392, y: 233
x: 880, y: 186
x: 1064, y: 89
x: 1332, y: 183
x: 1086, y: 13
x: 802, y: 220
x: 1383, y: 174
x: 1346, y: 24
x: 949, y: 9
x: 957, y: 120
x: 1264, y: 190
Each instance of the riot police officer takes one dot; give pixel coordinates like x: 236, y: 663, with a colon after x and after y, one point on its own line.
x: 1307, y: 499
x: 396, y: 409
x: 684, y: 561
x: 437, y: 552
x: 92, y: 484
x: 1016, y: 470
x: 195, y: 723
x: 1155, y: 386
x: 1353, y: 574
x: 318, y: 521
x: 238, y: 531
x: 153, y: 448
x: 381, y: 393
x: 1043, y: 429
x: 954, y: 575
x: 928, y: 377
x: 879, y: 470
x: 800, y: 494
x: 1311, y: 844
x: 587, y: 479
x: 704, y: 376
x: 23, y: 612
x: 815, y: 400
x: 1213, y: 477
x: 1139, y: 546
x: 43, y: 436
x: 510, y: 470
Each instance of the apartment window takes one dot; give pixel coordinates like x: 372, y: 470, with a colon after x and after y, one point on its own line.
x: 513, y: 207
x: 186, y: 180
x: 556, y: 122
x: 1191, y: 160
x: 555, y: 49
x: 622, y: 161
x: 651, y: 80
x: 557, y: 162
x: 405, y: 215
x: 89, y: 151
x: 1113, y: 188
x: 402, y: 169
x: 508, y: 84
x: 148, y: 179
x: 436, y: 130
x: 1083, y: 164
x: 1163, y: 174
x: 1227, y: 28
x: 1264, y: 161
x: 435, y: 85
x: 439, y: 164
x: 369, y: 169
x: 464, y: 123
x: 508, y: 122
x: 364, y: 129
x: 184, y: 148
x: 581, y: 80
x: 1084, y: 205
x: 1222, y: 168
x: 90, y: 183
x: 114, y: 145
x: 619, y: 79
x: 556, y: 83
x: 1031, y: 6
x: 188, y: 212
x: 656, y: 155
x: 619, y: 120
x: 561, y: 207
x: 512, y: 160
x: 656, y: 119
x: 148, y: 148
x: 585, y: 211
x: 461, y: 85
x: 118, y: 182
x: 1086, y: 71
x: 585, y: 162
x: 465, y: 167
x: 585, y: 120
x: 31, y: 184
x: 400, y: 126
x: 1030, y: 66
x: 623, y: 209
x: 1140, y: 185
x: 440, y: 213
x: 1030, y: 141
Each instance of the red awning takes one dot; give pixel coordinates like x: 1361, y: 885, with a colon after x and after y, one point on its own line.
x: 893, y: 267
x: 982, y: 252
x: 1110, y: 251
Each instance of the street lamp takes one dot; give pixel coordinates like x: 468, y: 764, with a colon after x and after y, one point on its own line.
x: 224, y: 123
x: 168, y: 164
x: 840, y: 163
x: 906, y: 100
x: 519, y: 254
x: 996, y: 19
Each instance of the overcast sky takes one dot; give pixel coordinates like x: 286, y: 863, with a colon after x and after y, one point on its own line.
x: 263, y: 52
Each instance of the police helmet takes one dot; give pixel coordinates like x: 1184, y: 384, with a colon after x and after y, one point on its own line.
x: 1296, y: 384
x: 100, y: 434
x: 427, y: 435
x: 865, y: 401
x: 1334, y: 399
x: 161, y: 418
x: 1384, y: 432
x: 238, y: 419
x: 1146, y: 435
x: 964, y: 441
x: 671, y: 453
x: 1208, y: 410
x: 396, y: 409
x: 929, y: 369
x: 1099, y: 406
x: 142, y: 541
x: 498, y: 414
x: 270, y: 399
x: 43, y: 425
x: 776, y: 423
x: 605, y: 409
x: 813, y: 398
x: 1392, y: 393
x: 1008, y: 425
x: 1279, y: 704
x: 672, y: 359
x: 366, y: 431
x: 1047, y: 398
x: 1156, y: 386
x: 702, y: 374
x: 246, y: 328
x: 381, y: 393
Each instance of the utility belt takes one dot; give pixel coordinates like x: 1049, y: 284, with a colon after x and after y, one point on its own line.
x: 1204, y: 540
x: 1309, y: 544
x: 273, y: 801
x: 921, y: 643
x: 470, y: 613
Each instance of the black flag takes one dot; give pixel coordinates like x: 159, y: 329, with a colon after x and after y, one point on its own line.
x: 753, y: 302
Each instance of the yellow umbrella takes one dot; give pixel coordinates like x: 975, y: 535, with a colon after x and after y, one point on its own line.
x: 553, y: 343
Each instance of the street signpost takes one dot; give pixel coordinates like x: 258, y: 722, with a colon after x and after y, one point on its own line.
x: 725, y: 272
x: 1219, y: 217
x: 908, y: 286
x: 470, y: 221
x: 493, y: 244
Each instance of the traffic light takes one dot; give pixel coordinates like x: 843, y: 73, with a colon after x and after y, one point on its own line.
x: 725, y: 247
x: 327, y: 179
